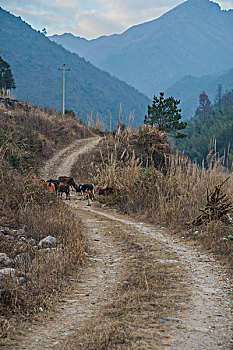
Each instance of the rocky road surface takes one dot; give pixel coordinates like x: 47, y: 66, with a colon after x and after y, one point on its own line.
x: 205, y: 325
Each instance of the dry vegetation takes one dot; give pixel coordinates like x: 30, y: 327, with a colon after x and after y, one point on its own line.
x: 28, y: 136
x: 161, y: 187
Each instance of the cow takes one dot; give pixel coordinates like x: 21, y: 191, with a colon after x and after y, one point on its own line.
x: 64, y: 188
x: 54, y: 183
x: 67, y: 180
x: 108, y: 190
x: 84, y: 188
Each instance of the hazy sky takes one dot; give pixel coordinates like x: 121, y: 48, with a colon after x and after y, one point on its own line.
x: 90, y: 18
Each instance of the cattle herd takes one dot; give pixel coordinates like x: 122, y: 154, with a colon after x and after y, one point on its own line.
x: 64, y: 183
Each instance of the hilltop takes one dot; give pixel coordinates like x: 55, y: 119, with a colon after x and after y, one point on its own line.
x: 35, y: 60
x: 195, y: 38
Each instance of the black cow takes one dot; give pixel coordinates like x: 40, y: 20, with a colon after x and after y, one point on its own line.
x: 84, y: 188
x: 64, y: 188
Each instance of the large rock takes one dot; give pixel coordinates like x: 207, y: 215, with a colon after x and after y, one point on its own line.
x: 47, y: 242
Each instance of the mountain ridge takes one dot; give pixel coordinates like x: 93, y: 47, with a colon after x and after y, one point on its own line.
x: 193, y: 38
x: 89, y: 90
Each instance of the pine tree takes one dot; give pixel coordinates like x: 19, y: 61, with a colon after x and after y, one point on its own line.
x: 6, y: 78
x: 165, y: 115
x: 9, y: 80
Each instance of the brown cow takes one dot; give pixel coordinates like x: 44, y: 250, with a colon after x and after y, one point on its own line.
x: 67, y: 180
x: 108, y: 190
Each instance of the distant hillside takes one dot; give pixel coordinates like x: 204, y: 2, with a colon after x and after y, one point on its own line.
x: 195, y: 38
x: 35, y: 60
x: 189, y: 89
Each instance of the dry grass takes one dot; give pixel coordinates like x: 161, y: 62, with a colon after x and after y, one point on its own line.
x: 132, y: 315
x: 41, y: 274
x: 28, y: 136
x: 171, y: 192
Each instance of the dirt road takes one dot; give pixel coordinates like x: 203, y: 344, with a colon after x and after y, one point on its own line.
x: 204, y: 322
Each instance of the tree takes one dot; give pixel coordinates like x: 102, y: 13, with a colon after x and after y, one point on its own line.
x: 44, y: 31
x: 9, y: 80
x: 165, y: 115
x: 6, y: 78
x: 203, y: 110
x: 219, y: 97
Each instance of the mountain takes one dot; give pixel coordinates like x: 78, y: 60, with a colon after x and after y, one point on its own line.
x: 34, y: 60
x: 195, y: 38
x: 189, y: 88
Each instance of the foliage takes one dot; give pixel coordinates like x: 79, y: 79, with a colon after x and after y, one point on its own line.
x: 70, y: 112
x: 6, y: 77
x: 203, y: 109
x: 165, y: 115
x: 44, y: 31
x: 210, y: 130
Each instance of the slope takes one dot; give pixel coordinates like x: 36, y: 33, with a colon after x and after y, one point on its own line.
x: 35, y: 60
x: 189, y: 88
x: 194, y: 38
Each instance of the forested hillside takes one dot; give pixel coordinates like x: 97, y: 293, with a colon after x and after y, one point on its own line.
x: 211, y: 124
x: 35, y: 60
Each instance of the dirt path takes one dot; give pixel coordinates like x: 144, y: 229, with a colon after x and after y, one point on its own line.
x: 207, y: 321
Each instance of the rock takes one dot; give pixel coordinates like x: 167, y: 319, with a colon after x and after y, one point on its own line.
x: 22, y: 239
x: 230, y: 218
x: 196, y: 233
x: 47, y: 242
x: 21, y: 231
x: 4, y: 230
x: 7, y: 272
x: 143, y: 342
x: 4, y: 259
x: 32, y: 241
x: 168, y: 320
x: 8, y: 237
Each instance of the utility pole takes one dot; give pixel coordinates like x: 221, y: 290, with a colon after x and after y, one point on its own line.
x: 63, y: 70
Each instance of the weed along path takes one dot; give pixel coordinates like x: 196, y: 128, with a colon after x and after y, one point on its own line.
x: 140, y: 289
